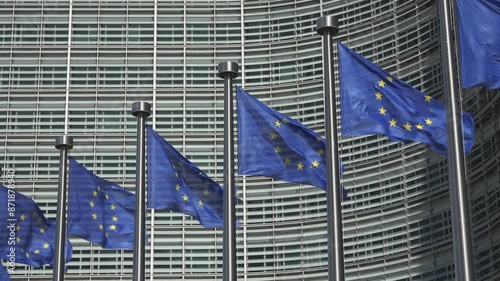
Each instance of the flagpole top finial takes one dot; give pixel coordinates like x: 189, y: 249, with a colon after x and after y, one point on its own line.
x: 327, y: 23
x: 141, y: 107
x: 228, y: 68
x: 64, y: 142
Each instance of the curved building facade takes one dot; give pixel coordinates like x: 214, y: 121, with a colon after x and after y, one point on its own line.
x: 78, y: 65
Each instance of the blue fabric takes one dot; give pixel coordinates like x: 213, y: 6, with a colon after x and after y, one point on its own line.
x: 374, y: 102
x: 100, y: 211
x: 174, y: 183
x: 33, y: 242
x: 4, y: 275
x: 274, y: 145
x: 479, y: 39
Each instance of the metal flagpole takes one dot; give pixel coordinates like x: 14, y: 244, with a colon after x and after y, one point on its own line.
x: 327, y: 26
x: 460, y: 214
x: 141, y: 110
x: 64, y: 143
x: 229, y: 70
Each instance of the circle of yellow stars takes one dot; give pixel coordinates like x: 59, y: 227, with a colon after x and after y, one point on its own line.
x: 185, y: 197
x: 287, y: 160
x: 112, y: 207
x: 46, y: 245
x: 393, y: 122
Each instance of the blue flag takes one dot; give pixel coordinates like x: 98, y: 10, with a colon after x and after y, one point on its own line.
x: 4, y: 275
x: 274, y: 145
x: 174, y: 183
x: 27, y: 237
x: 374, y: 102
x: 99, y: 211
x: 479, y: 39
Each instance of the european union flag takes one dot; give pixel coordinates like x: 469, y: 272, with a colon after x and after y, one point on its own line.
x: 479, y: 39
x: 4, y: 275
x: 274, y: 145
x: 174, y: 183
x: 374, y: 102
x: 27, y: 237
x: 99, y: 211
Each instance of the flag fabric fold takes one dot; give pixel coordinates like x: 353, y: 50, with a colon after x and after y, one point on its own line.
x: 27, y: 237
x: 479, y: 40
x: 174, y: 183
x: 4, y: 275
x: 100, y: 211
x: 274, y: 145
x: 374, y: 102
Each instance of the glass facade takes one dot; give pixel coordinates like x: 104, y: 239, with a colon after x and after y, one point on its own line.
x: 77, y: 66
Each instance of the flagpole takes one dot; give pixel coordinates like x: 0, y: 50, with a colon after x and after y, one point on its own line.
x: 228, y: 71
x: 64, y: 143
x: 327, y: 26
x: 460, y: 213
x: 141, y: 110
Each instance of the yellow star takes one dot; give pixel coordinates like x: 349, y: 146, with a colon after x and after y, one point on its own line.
x: 428, y: 98
x: 176, y: 175
x: 278, y: 149
x: 185, y: 197
x: 274, y: 135
x: 288, y: 161
x: 94, y: 193
x: 39, y: 220
x: 393, y: 122
x: 35, y: 214
x: 315, y: 163
x: 37, y: 252
x: 27, y: 255
x: 407, y: 126
x: 277, y: 124
x: 99, y: 188
x: 382, y: 110
x: 18, y: 227
x: 428, y: 121
x: 107, y: 234
x: 321, y: 152
x: 177, y: 187
x: 94, y: 216
x: 318, y: 139
x: 419, y: 126
x: 22, y: 217
x: 181, y: 164
x: 113, y: 207
x: 381, y: 83
x: 200, y: 203
x: 46, y: 245
x: 378, y: 95
x: 18, y: 239
x: 206, y: 192
x: 390, y: 78
x: 300, y: 166
x: 91, y: 204
x: 42, y: 230
x: 115, y: 218
x: 101, y: 227
x: 107, y: 197
x: 285, y: 121
x: 207, y: 182
x: 112, y: 227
